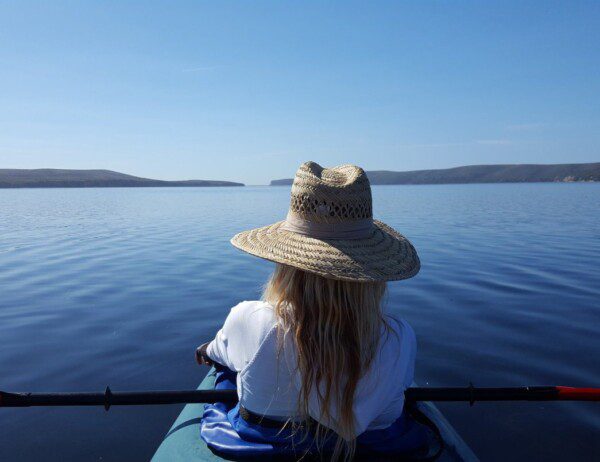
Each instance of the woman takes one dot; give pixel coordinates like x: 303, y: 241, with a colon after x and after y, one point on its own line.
x: 318, y: 348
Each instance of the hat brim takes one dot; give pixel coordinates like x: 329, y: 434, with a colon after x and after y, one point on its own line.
x: 385, y: 255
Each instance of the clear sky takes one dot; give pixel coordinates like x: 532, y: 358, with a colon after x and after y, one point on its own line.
x: 247, y: 91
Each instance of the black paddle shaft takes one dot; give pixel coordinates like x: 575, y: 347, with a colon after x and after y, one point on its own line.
x: 108, y: 398
x: 132, y: 398
x: 472, y: 394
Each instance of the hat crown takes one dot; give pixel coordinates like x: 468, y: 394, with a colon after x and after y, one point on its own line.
x: 331, y: 195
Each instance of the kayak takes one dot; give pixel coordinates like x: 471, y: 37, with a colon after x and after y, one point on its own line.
x: 183, y: 443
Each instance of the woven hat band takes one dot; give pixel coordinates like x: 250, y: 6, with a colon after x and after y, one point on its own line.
x: 358, y: 229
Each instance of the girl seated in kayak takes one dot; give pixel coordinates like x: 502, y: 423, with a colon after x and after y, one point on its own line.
x: 318, y: 352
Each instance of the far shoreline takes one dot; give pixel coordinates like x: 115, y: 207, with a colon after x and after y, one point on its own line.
x: 129, y: 187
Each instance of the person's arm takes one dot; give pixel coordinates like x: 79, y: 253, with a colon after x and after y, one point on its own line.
x: 410, y: 346
x: 230, y: 347
x: 202, y: 357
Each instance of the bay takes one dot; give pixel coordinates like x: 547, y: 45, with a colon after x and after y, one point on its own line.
x: 118, y: 286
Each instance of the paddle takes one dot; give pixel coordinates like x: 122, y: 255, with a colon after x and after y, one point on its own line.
x: 468, y: 394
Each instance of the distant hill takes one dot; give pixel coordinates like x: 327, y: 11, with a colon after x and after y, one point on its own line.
x: 517, y: 173
x: 58, y: 178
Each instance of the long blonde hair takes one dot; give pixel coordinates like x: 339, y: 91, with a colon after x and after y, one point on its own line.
x: 336, y: 326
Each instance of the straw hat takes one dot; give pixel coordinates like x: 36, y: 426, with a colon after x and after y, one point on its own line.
x: 330, y: 230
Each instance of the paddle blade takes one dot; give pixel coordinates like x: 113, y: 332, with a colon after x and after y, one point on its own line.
x: 578, y: 394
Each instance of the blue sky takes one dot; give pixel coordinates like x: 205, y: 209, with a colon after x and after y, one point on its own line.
x: 248, y: 90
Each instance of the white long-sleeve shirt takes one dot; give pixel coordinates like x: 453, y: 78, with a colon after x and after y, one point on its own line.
x: 268, y: 381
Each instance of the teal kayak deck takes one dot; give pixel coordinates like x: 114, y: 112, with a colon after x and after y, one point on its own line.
x: 183, y: 442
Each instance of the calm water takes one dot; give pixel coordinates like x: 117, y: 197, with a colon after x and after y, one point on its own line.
x: 118, y: 286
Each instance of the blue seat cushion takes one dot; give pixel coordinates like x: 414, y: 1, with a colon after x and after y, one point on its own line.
x: 228, y: 435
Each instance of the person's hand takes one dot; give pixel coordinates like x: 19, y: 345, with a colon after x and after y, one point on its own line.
x: 201, y: 356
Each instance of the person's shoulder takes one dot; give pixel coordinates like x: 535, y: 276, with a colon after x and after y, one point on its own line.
x: 401, y: 329
x: 253, y: 308
x: 255, y: 314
